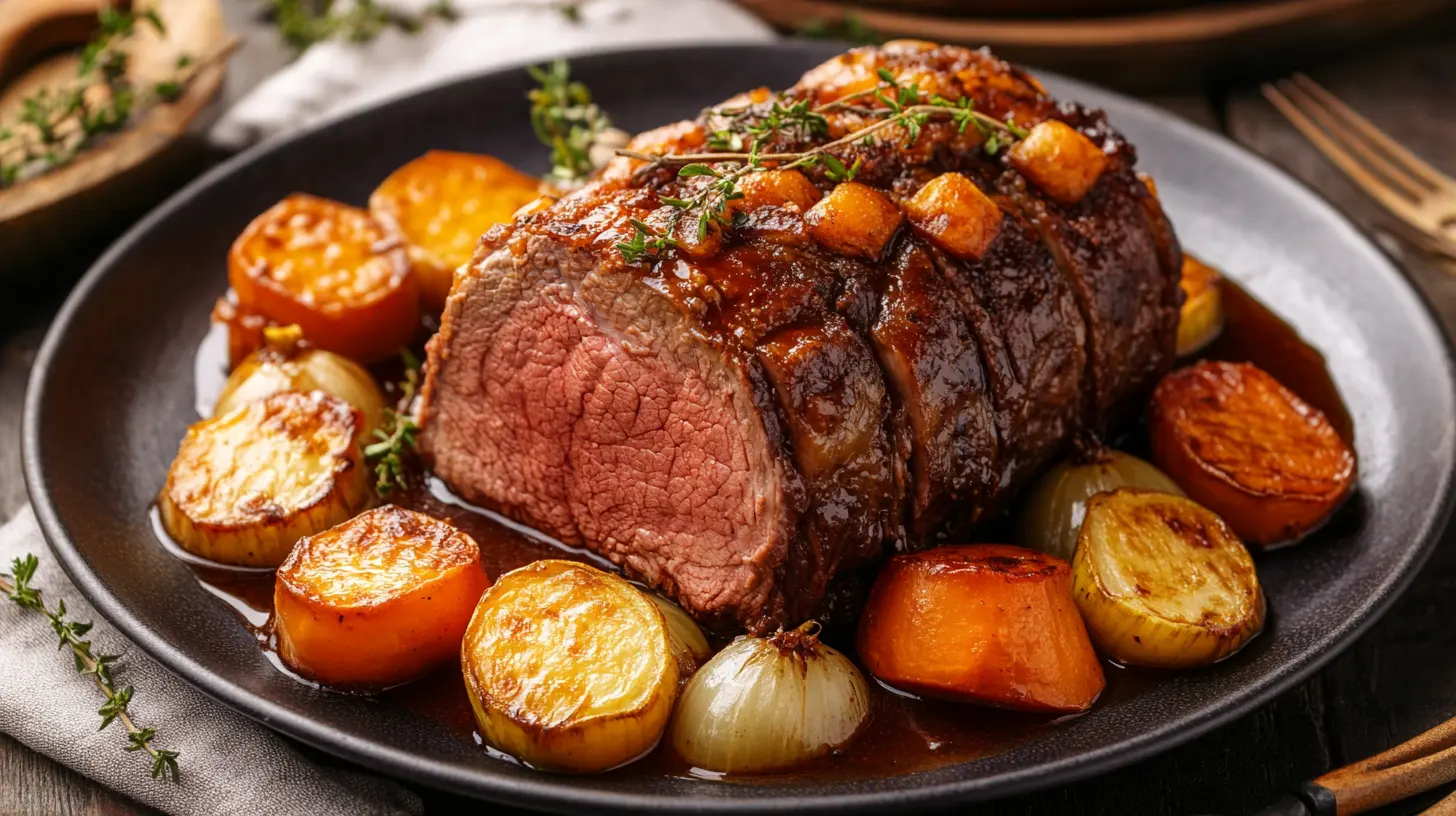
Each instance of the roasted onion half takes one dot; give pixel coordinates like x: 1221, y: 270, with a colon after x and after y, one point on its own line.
x: 284, y: 364
x: 765, y: 704
x: 1162, y: 581
x: 689, y: 645
x: 1057, y: 503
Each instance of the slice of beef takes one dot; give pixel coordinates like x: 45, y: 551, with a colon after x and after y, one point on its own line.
x: 932, y: 361
x: 584, y: 405
x: 1026, y: 321
x: 799, y: 312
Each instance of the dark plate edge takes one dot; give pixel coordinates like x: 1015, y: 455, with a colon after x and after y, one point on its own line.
x: 543, y: 792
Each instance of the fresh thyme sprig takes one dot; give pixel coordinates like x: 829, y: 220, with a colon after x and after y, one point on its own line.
x: 566, y: 120
x: 305, y: 23
x: 398, y: 438
x: 56, y: 124
x: 99, y: 667
x: 904, y: 106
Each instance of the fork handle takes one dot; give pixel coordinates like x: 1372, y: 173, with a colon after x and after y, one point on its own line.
x: 1419, y: 764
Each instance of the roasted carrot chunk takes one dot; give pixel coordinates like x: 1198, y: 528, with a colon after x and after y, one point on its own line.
x: 442, y: 203
x: 1247, y: 448
x: 377, y: 600
x: 332, y: 269
x: 985, y: 623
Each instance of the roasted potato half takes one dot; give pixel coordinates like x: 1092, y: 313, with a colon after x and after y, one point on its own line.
x: 377, y: 600
x: 1201, y: 318
x: 1164, y: 582
x: 285, y: 365
x: 569, y: 668
x: 246, y: 485
x: 333, y: 270
x: 442, y: 203
x: 1247, y: 448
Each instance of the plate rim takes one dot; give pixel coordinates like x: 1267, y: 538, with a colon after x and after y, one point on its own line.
x: 541, y: 791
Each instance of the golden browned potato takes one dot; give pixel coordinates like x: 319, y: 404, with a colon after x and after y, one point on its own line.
x: 569, y: 668
x: 377, y: 600
x: 1201, y: 318
x: 1059, y: 160
x: 442, y: 203
x: 1164, y: 582
x: 1245, y: 447
x: 952, y: 213
x: 246, y: 485
x: 284, y: 364
x: 333, y: 270
x: 775, y: 188
x: 854, y: 220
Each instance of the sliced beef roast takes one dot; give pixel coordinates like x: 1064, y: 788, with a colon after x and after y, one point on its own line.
x: 743, y: 413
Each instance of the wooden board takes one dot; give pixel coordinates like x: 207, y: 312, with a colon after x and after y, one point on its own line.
x: 1198, y: 46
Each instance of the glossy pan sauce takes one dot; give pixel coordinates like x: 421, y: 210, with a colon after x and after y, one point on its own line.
x: 904, y: 734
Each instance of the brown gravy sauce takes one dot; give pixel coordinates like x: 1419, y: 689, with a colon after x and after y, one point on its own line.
x: 904, y: 733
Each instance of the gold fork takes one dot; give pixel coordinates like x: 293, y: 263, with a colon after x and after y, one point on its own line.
x: 1408, y: 187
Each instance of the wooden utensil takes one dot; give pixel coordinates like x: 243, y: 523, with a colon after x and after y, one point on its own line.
x: 1417, y: 765
x: 1414, y: 191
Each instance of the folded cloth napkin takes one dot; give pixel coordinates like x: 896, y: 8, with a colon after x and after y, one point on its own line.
x: 229, y: 763
x: 334, y: 77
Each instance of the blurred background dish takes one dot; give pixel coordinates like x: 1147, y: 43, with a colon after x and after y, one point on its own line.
x: 1136, y: 45
x: 121, y: 174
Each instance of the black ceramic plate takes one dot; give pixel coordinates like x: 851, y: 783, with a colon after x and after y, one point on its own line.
x: 113, y: 392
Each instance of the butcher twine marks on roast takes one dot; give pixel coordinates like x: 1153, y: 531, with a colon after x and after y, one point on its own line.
x: 740, y: 419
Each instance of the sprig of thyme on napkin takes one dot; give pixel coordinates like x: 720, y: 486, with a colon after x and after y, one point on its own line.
x: 99, y: 667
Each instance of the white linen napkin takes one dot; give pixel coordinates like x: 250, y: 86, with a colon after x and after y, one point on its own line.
x: 229, y: 763
x: 333, y: 77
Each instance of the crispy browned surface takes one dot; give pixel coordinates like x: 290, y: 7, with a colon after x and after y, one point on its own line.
x: 907, y: 387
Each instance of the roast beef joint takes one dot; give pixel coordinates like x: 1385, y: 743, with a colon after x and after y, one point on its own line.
x: 848, y: 358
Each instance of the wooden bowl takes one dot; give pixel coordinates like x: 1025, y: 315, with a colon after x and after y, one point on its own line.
x: 121, y: 176
x: 1192, y: 47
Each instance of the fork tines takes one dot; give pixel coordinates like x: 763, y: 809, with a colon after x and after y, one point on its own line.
x: 1401, y: 181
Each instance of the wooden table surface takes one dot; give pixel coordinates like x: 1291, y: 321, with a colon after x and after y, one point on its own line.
x: 1398, y: 680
